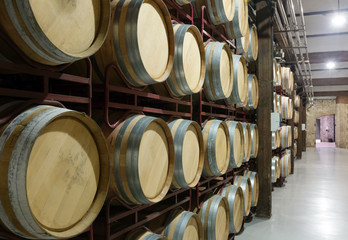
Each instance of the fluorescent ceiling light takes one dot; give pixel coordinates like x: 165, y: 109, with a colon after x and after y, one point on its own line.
x: 338, y: 20
x: 330, y: 65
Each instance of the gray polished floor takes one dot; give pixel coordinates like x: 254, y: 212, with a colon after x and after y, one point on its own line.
x: 312, y: 205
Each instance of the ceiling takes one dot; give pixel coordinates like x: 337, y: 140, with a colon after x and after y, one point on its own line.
x: 327, y: 42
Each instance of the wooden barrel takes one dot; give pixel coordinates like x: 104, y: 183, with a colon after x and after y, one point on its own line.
x: 55, y: 32
x: 245, y: 184
x: 276, y: 141
x: 297, y: 101
x: 221, y: 11
x: 240, y: 91
x: 295, y: 148
x: 295, y: 132
x: 253, y: 96
x: 242, y: 43
x: 253, y: 47
x: 189, y: 153
x: 140, y: 42
x: 291, y: 82
x: 142, y: 153
x: 274, y: 169
x: 184, y: 225
x: 254, y: 180
x: 218, y: 81
x: 47, y: 146
x: 188, y: 73
x: 238, y: 27
x: 285, y: 132
x: 142, y: 234
x: 247, y: 141
x: 234, y: 195
x: 289, y: 136
x: 216, y: 140
x: 279, y: 100
x: 236, y: 142
x: 280, y: 75
x: 286, y: 107
x: 296, y: 117
x: 215, y: 218
x: 286, y: 78
x: 285, y: 165
x: 254, y: 134
x: 275, y: 102
x: 291, y: 108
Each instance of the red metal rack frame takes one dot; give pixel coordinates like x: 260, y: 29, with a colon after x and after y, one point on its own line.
x: 46, y: 78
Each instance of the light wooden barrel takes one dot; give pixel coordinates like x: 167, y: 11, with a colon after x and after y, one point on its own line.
x: 285, y: 132
x: 295, y: 132
x: 238, y: 27
x: 279, y: 138
x: 221, y: 11
x: 140, y: 42
x: 254, y: 180
x: 274, y: 140
x: 188, y: 73
x: 279, y: 100
x: 245, y: 184
x: 280, y: 75
x: 274, y: 169
x: 240, y: 91
x: 142, y: 157
x: 55, y: 32
x: 254, y: 134
x: 275, y: 102
x: 286, y: 81
x: 286, y: 107
x: 189, y: 153
x: 217, y: 150
x: 184, y: 2
x: 285, y: 165
x: 215, y: 218
x: 295, y: 148
x: 253, y: 96
x: 242, y: 43
x: 297, y: 101
x: 289, y: 135
x: 218, y: 81
x: 54, y: 173
x: 247, y: 141
x: 291, y: 82
x: 236, y: 142
x: 253, y: 47
x: 141, y: 234
x: 296, y: 117
x: 291, y: 108
x: 234, y: 195
x: 184, y: 226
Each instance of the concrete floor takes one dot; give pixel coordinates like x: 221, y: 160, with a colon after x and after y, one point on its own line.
x: 312, y: 205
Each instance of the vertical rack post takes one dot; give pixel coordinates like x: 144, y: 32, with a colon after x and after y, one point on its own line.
x: 304, y: 133
x: 292, y: 124
x: 300, y: 140
x: 265, y: 76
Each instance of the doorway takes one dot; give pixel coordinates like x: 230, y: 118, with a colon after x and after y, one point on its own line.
x: 325, y: 131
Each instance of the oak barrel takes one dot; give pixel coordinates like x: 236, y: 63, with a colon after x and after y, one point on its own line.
x: 189, y: 153
x: 217, y: 150
x: 142, y: 234
x: 219, y: 77
x: 188, y: 73
x: 285, y: 165
x: 215, y: 218
x: 275, y: 102
x: 252, y: 51
x: 47, y: 146
x: 295, y: 132
x: 55, y: 32
x: 280, y: 75
x: 296, y: 117
x: 253, y: 96
x: 297, y: 101
x: 240, y: 91
x: 245, y: 184
x: 184, y: 225
x: 274, y: 169
x: 238, y: 27
x: 141, y: 150
x: 247, y: 141
x: 234, y: 195
x: 221, y: 11
x: 242, y: 43
x: 140, y: 42
x: 254, y: 180
x: 275, y: 73
x: 236, y: 142
x: 286, y: 107
x: 254, y: 131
